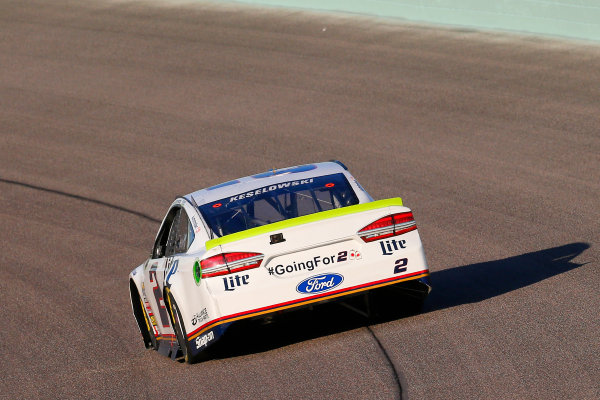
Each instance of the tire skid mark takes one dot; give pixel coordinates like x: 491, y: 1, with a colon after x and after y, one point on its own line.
x: 82, y: 198
x: 389, y: 360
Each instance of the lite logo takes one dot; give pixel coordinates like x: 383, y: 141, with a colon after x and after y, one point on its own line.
x: 389, y: 246
x: 231, y: 282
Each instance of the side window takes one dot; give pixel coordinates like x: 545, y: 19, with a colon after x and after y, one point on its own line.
x: 160, y: 246
x: 173, y: 241
x: 191, y: 235
x: 176, y: 235
x: 181, y: 234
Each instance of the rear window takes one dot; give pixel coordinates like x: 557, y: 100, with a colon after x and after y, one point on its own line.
x: 278, y: 202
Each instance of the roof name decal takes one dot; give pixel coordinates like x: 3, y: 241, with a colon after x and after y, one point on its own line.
x: 270, y: 188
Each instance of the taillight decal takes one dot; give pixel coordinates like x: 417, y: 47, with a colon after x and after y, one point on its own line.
x: 391, y: 225
x: 227, y: 263
x: 214, y: 266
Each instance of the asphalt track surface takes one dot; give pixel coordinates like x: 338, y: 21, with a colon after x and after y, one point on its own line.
x: 108, y: 110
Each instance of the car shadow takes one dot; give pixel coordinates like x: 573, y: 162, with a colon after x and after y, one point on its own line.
x: 477, y: 282
x: 451, y: 287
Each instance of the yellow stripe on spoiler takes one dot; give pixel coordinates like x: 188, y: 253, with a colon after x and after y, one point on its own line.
x: 338, y: 212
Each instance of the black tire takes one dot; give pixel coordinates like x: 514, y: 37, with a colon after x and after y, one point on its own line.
x: 139, y: 311
x: 153, y: 341
x: 179, y: 328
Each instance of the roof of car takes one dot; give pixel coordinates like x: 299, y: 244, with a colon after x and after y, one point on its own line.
x: 274, y: 176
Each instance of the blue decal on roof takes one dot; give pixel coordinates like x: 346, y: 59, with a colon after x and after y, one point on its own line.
x: 293, y: 170
x: 224, y: 184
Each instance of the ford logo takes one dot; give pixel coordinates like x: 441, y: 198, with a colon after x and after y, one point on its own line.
x: 319, y: 283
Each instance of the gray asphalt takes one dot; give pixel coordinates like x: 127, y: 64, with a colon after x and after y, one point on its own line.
x: 108, y: 110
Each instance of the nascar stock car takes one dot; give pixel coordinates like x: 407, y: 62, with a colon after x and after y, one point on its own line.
x: 256, y: 246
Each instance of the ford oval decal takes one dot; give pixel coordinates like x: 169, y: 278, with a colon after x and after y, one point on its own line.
x: 319, y: 283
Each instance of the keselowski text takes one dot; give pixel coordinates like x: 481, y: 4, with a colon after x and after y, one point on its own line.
x: 270, y: 188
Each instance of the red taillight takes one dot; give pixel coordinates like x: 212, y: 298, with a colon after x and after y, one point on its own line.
x: 227, y: 263
x: 392, y: 225
x: 214, y: 266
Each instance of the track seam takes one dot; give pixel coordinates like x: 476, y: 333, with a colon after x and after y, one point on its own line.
x: 389, y: 360
x: 82, y: 198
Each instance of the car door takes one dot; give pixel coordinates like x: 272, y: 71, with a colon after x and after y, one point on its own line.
x: 173, y: 239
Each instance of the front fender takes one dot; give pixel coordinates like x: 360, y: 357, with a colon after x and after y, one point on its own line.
x: 137, y: 297
x: 137, y: 277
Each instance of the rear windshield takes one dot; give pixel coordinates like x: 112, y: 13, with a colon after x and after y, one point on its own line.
x: 278, y: 202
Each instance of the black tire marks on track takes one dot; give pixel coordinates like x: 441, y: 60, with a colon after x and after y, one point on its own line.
x: 81, y: 198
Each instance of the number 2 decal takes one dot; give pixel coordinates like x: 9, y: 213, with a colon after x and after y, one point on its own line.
x: 400, y: 265
x: 162, y: 309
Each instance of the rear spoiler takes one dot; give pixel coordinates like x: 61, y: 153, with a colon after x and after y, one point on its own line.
x: 338, y: 212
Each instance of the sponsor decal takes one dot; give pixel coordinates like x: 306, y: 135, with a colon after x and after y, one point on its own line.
x: 156, y: 290
x: 199, y: 317
x: 203, y: 340
x: 358, y: 184
x: 319, y: 283
x: 151, y: 318
x: 309, y: 265
x: 172, y: 270
x: 197, y: 270
x: 195, y: 225
x: 231, y: 282
x: 389, y: 246
x: 269, y: 188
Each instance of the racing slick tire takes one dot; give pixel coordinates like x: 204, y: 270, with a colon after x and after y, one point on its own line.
x: 143, y: 321
x: 179, y: 329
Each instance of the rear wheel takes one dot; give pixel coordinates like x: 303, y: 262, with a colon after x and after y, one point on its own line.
x: 149, y: 330
x: 141, y: 316
x: 178, y: 327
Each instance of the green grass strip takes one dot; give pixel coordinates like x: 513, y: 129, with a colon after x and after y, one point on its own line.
x: 338, y: 212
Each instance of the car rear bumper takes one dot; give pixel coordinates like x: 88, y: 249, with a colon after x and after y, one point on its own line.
x: 211, y: 331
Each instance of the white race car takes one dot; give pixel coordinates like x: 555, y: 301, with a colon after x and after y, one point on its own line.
x: 275, y: 241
